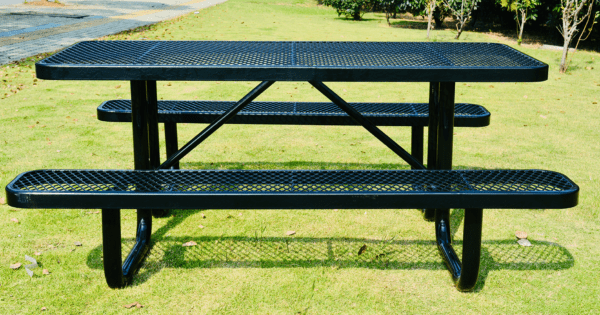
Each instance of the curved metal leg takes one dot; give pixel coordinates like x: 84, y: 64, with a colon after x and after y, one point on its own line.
x: 464, y: 274
x: 119, y: 274
x: 111, y: 247
x: 471, y: 256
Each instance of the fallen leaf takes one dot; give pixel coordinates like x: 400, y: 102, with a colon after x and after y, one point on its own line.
x: 544, y: 117
x: 290, y: 232
x: 37, y: 253
x: 203, y: 215
x: 136, y: 304
x: 524, y: 96
x: 118, y: 86
x: 2, y: 200
x: 362, y: 249
x: 46, y: 272
x: 15, y: 220
x: 77, y: 243
x: 201, y: 226
x: 190, y: 243
x: 521, y: 234
x: 589, y: 68
x: 524, y: 242
x: 44, y: 308
x: 15, y: 266
x: 93, y: 212
x: 379, y: 256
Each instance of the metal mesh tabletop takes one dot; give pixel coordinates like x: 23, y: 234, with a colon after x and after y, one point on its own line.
x: 304, y: 113
x: 291, y: 61
x: 291, y: 189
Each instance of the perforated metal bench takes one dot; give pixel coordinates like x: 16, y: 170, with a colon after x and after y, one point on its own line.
x: 111, y: 190
x: 415, y: 115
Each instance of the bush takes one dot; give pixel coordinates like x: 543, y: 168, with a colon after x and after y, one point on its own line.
x: 349, y: 8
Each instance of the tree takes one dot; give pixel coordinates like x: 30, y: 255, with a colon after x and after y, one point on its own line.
x: 349, y: 8
x: 573, y: 13
x: 390, y: 7
x: 524, y: 10
x: 461, y: 9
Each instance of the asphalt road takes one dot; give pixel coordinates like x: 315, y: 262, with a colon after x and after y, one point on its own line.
x: 27, y: 30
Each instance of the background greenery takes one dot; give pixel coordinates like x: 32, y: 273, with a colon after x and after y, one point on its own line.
x: 244, y: 261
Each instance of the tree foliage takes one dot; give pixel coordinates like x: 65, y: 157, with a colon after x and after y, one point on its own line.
x: 524, y: 10
x: 462, y: 10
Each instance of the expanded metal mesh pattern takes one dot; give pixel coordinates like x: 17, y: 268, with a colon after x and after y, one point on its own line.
x: 237, y: 181
x: 307, y: 54
x: 191, y: 111
x: 302, y: 252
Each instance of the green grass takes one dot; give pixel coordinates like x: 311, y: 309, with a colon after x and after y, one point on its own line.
x: 244, y: 262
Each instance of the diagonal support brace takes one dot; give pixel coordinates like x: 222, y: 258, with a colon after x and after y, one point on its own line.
x: 173, y: 159
x: 361, y: 120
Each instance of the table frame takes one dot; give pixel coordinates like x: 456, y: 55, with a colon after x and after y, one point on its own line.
x: 147, y: 156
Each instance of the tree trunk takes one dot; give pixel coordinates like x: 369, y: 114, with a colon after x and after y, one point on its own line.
x: 458, y: 34
x: 563, y: 59
x: 356, y: 15
x: 523, y: 20
x: 429, y: 17
x: 462, y: 25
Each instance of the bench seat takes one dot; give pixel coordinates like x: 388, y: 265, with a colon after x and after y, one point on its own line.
x: 295, y: 113
x: 295, y: 189
x: 112, y: 190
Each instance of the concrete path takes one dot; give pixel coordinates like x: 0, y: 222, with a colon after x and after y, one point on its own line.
x: 27, y: 30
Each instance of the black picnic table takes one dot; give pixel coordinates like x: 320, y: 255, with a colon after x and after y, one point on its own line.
x: 145, y: 62
x: 441, y: 64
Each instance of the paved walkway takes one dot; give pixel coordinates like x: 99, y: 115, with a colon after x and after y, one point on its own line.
x: 27, y: 30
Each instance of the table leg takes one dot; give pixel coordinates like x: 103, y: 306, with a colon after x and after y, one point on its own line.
x: 171, y: 141
x: 144, y: 115
x: 145, y: 135
x: 152, y: 110
x: 139, y: 117
x: 416, y: 143
x: 432, y: 137
x: 445, y: 130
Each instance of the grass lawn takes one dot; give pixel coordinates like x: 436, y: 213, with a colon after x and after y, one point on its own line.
x: 244, y: 262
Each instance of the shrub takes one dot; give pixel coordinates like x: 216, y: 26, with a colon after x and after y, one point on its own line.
x: 349, y: 8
